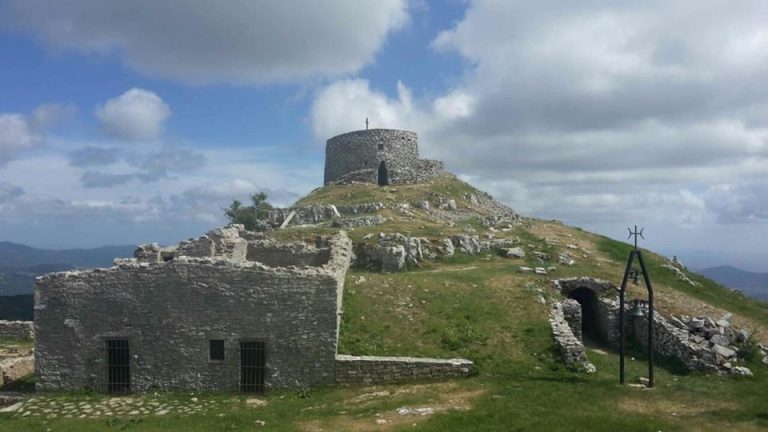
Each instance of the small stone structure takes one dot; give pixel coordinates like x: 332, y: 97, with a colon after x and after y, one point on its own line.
x: 377, y: 156
x: 184, y: 313
x: 14, y: 368
x: 699, y: 343
x: 18, y: 330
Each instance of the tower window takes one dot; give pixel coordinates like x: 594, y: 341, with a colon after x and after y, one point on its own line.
x: 216, y: 350
x: 381, y: 146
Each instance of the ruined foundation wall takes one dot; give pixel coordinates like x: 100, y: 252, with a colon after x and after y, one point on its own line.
x: 169, y: 311
x: 19, y: 330
x: 15, y: 368
x: 356, y: 370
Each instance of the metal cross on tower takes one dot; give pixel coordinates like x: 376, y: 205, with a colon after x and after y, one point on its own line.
x: 636, y: 234
x: 366, y: 123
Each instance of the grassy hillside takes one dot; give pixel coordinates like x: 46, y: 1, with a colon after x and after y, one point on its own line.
x: 482, y: 308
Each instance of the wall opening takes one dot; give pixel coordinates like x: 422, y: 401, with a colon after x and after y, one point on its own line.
x: 253, y: 368
x: 383, y: 174
x: 118, y: 366
x: 589, y: 319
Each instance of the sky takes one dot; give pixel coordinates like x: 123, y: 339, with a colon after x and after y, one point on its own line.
x: 136, y: 121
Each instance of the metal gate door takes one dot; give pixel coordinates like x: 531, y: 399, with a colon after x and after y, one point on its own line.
x: 118, y: 366
x: 252, y: 367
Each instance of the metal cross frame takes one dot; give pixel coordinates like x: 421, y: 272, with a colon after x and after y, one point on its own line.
x: 646, y: 278
x: 366, y: 123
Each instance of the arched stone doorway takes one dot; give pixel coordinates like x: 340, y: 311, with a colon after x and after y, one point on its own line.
x: 589, y: 319
x: 596, y: 315
x: 383, y: 174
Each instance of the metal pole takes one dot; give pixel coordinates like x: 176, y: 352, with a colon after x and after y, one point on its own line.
x: 650, y: 318
x: 621, y: 316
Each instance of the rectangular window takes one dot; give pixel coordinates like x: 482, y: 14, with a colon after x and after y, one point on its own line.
x: 216, y: 349
x: 381, y: 146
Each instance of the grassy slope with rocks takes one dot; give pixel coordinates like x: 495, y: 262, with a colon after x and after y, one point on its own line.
x: 478, y: 307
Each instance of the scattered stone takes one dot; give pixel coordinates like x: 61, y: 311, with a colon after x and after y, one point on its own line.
x: 515, y: 252
x: 540, y: 270
x: 741, y: 371
x: 407, y: 411
x: 255, y: 402
x: 525, y: 269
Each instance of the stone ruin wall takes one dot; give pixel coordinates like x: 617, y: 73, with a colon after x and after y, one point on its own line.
x: 169, y: 311
x: 367, y: 370
x: 169, y: 302
x: 355, y: 157
x: 17, y: 330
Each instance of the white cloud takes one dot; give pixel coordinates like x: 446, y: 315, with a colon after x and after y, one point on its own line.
x: 136, y: 114
x: 344, y: 105
x: 234, y: 41
x: 48, y: 115
x: 15, y: 136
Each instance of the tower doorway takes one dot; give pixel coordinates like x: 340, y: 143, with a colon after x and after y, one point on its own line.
x: 383, y: 174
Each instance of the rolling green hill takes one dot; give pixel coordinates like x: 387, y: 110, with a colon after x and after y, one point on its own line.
x: 483, y: 308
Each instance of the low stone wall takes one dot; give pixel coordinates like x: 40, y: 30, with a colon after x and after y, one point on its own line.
x: 355, y: 370
x: 674, y: 342
x: 19, y: 330
x: 14, y: 368
x: 274, y: 254
x: 567, y: 344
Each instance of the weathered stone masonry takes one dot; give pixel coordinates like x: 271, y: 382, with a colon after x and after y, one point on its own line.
x: 168, y: 306
x: 19, y: 330
x: 357, y: 157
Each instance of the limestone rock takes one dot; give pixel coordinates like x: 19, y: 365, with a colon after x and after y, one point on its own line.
x: 516, y: 252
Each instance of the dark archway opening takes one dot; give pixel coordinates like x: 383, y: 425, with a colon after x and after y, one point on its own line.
x: 588, y: 301
x: 383, y: 174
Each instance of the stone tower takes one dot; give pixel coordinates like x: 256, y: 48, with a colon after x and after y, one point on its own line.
x: 378, y: 156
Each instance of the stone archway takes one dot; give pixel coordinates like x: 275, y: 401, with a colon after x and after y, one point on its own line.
x: 383, y: 174
x: 595, y: 316
x: 589, y: 320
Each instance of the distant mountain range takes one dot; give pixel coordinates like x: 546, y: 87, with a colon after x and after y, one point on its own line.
x: 752, y: 284
x: 20, y: 264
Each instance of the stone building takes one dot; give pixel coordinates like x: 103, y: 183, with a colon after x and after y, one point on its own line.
x: 227, y: 311
x: 377, y: 156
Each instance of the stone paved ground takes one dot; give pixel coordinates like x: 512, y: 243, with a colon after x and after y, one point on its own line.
x: 62, y: 407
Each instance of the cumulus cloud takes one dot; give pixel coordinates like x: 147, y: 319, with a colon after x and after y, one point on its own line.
x: 594, y: 111
x: 740, y: 203
x: 235, y: 41
x: 137, y: 114
x: 48, y: 115
x: 344, y: 105
x: 15, y: 136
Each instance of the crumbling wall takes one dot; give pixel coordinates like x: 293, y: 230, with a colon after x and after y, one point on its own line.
x: 356, y: 370
x: 274, y: 254
x: 168, y: 311
x: 18, y: 330
x: 570, y: 348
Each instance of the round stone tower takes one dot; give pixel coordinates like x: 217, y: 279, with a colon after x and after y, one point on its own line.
x: 379, y: 156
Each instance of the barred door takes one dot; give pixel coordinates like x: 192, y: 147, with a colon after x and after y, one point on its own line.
x: 252, y: 367
x: 118, y: 366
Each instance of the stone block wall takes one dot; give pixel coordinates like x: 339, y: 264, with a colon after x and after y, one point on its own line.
x: 365, y: 370
x: 674, y: 342
x: 356, y: 157
x: 570, y: 348
x: 275, y: 254
x: 19, y: 330
x: 168, y: 311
